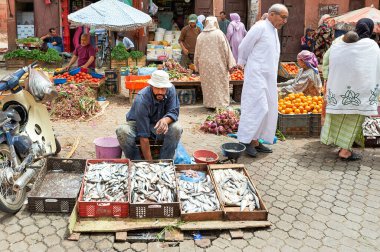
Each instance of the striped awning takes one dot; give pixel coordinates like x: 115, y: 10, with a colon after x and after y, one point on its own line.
x: 111, y: 15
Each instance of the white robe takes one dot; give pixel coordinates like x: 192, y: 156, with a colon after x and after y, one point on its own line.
x: 259, y: 52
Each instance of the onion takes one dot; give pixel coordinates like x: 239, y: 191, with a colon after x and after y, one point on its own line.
x: 221, y: 130
x: 213, y: 125
x: 218, y: 121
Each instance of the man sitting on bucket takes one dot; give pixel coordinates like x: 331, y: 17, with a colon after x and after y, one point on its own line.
x: 153, y: 115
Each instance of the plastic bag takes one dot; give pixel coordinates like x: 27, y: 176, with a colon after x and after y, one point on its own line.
x: 181, y: 156
x: 153, y: 8
x: 146, y: 70
x: 39, y: 85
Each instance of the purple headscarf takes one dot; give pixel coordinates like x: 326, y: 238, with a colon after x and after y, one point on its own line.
x: 310, y: 59
x: 235, y: 20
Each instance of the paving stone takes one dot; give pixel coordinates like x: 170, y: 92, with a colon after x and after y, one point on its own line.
x: 296, y: 233
x: 203, y: 243
x: 51, y: 240
x: 31, y: 229
x: 339, y: 210
x: 19, y: 246
x: 155, y: 246
x: 69, y: 244
x: 4, y: 244
x: 86, y: 244
x: 257, y: 242
x: 121, y: 246
x: 249, y: 249
x: 284, y: 225
x: 45, y: 231
x: 214, y: 249
x: 294, y: 242
x: 33, y: 238
x: 11, y: 229
x: 56, y: 248
x: 139, y: 246
x: 42, y: 222
x: 26, y: 222
x: 239, y: 243
x: 221, y: 243
x: 38, y: 247
x: 231, y: 249
x: 288, y: 248
x: 16, y: 237
x: 369, y: 233
x: 314, y: 243
x: 188, y: 246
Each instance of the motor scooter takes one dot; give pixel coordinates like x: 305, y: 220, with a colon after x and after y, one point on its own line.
x: 26, y: 139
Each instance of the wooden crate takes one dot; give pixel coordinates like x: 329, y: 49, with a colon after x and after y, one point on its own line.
x: 284, y: 73
x: 140, y: 62
x: 117, y: 64
x: 14, y: 63
x: 233, y: 213
x: 200, y: 216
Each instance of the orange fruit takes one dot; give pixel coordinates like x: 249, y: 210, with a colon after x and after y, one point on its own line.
x: 281, y: 101
x: 315, y: 111
x: 297, y: 111
x: 283, y: 111
x: 307, y: 108
x: 288, y: 110
x: 289, y: 105
x: 315, y: 98
x: 301, y: 94
x: 287, y: 98
x: 297, y: 95
x: 291, y: 96
x: 301, y: 107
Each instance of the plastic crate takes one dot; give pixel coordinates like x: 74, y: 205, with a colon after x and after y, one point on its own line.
x: 186, y: 96
x: 294, y: 125
x: 132, y: 82
x: 154, y: 210
x: 103, y: 208
x: 65, y: 175
x: 110, y: 75
x: 315, y: 125
x: 155, y: 148
x: 283, y: 72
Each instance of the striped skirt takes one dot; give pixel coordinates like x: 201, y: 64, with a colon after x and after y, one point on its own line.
x: 343, y: 130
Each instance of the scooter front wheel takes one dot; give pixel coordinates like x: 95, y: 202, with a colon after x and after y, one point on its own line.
x: 10, y: 200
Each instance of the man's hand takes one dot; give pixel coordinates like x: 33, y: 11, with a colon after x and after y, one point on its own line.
x: 54, y: 43
x: 185, y: 51
x: 162, y: 126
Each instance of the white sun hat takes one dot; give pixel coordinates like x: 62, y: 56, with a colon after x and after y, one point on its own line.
x: 160, y: 79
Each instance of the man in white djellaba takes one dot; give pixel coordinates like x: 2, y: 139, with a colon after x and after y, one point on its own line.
x: 260, y: 52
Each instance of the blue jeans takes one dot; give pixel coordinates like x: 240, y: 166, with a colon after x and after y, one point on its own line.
x: 126, y: 134
x: 57, y: 48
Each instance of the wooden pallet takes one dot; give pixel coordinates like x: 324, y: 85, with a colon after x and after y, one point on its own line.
x: 120, y: 227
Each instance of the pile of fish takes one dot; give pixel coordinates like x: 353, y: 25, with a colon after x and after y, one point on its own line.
x: 106, y: 182
x: 371, y: 126
x: 198, y: 196
x: 153, y: 182
x: 236, y: 189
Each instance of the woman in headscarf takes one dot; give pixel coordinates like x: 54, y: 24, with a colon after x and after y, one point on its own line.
x: 364, y: 28
x: 235, y: 33
x: 307, y: 41
x: 352, y: 91
x: 323, y: 37
x: 200, y: 20
x: 213, y: 58
x: 307, y: 80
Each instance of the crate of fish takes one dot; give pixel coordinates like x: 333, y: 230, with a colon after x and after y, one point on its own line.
x: 238, y: 194
x: 104, y: 191
x: 197, y: 194
x: 153, y: 190
x: 57, y: 186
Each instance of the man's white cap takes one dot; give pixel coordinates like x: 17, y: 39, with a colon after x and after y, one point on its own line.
x: 160, y: 79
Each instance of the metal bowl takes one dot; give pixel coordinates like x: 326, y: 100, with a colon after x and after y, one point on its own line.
x: 232, y: 150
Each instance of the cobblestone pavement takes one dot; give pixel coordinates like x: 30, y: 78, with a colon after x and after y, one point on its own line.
x: 316, y: 202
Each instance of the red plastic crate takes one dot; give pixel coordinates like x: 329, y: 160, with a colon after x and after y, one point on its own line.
x: 131, y: 83
x: 102, y: 208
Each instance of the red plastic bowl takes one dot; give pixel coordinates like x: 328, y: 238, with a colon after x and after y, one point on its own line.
x: 205, y: 156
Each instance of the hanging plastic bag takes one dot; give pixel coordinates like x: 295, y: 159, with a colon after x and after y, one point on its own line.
x: 40, y: 86
x: 181, y: 156
x: 152, y: 8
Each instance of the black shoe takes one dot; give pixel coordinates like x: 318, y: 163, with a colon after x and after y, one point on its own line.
x: 263, y: 149
x: 352, y: 157
x: 250, y: 150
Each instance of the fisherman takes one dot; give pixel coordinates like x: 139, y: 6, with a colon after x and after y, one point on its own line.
x: 153, y: 116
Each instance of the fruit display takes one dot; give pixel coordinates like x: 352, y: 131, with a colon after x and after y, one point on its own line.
x: 300, y: 104
x: 237, y: 73
x: 291, y: 68
x: 78, y: 78
x: 224, y: 122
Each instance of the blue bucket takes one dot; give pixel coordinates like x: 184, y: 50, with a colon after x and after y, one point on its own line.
x: 60, y: 81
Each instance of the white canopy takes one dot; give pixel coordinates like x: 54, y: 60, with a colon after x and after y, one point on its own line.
x: 111, y: 15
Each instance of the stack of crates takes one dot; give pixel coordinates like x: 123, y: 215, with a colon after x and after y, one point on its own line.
x: 111, y: 81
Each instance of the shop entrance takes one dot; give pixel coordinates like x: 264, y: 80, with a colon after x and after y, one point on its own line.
x: 169, y: 11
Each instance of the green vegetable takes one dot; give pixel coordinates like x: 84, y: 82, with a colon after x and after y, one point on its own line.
x: 50, y: 56
x: 29, y: 40
x: 119, y: 52
x: 136, y: 55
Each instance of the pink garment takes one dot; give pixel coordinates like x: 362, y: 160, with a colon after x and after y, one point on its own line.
x: 235, y: 33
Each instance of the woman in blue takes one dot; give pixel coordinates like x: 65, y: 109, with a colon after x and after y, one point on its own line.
x: 307, y: 41
x: 200, y: 20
